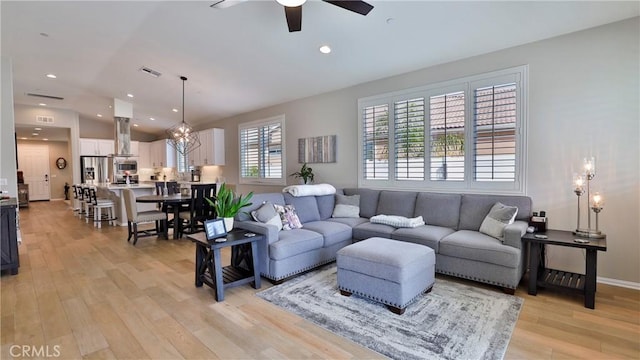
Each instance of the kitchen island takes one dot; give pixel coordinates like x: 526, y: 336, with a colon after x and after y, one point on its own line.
x: 114, y: 192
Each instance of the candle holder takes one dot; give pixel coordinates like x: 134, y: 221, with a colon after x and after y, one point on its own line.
x: 596, y: 206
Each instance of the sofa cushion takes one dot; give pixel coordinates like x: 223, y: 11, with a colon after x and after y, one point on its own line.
x: 368, y: 200
x: 256, y: 201
x: 332, y: 232
x: 439, y: 209
x: 306, y: 207
x: 325, y: 206
x: 497, y: 219
x: 267, y: 214
x: 346, y: 206
x: 367, y: 230
x: 351, y: 222
x: 402, y: 203
x: 474, y: 208
x: 428, y: 235
x: 472, y: 245
x: 294, y: 242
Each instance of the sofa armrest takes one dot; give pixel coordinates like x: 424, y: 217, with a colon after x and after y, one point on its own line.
x: 513, y: 234
x: 270, y: 232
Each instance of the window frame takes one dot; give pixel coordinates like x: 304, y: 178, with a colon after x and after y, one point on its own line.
x: 517, y: 75
x: 260, y: 180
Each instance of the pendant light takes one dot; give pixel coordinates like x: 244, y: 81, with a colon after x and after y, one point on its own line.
x: 181, y: 136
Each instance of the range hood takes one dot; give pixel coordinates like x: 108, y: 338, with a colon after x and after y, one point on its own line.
x: 122, y: 114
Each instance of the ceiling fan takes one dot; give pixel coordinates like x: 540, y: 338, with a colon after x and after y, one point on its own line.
x: 293, y: 9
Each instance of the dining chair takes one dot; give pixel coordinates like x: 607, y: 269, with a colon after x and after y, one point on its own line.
x: 135, y: 217
x: 192, y: 220
x: 172, y: 188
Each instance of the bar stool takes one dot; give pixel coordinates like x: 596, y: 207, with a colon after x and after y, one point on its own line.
x: 101, y: 203
x: 76, y: 200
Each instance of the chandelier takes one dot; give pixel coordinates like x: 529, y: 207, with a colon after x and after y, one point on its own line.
x: 181, y: 136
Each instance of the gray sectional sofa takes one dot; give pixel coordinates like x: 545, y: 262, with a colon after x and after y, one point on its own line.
x: 451, y: 229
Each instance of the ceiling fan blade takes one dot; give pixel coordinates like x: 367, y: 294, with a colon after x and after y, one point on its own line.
x: 294, y: 18
x: 359, y: 7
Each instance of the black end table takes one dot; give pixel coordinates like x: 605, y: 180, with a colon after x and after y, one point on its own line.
x: 209, y: 268
x: 543, y: 277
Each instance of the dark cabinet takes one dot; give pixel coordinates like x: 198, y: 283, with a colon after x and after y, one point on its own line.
x: 9, y: 236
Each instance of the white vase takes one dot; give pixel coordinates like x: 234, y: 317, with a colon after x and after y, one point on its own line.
x: 228, y: 223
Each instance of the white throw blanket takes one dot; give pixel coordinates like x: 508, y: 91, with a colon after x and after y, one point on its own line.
x: 397, y: 221
x: 308, y: 190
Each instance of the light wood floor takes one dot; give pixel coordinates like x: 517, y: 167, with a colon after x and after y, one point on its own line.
x: 93, y: 295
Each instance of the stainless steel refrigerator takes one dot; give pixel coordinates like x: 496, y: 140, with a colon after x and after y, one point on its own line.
x: 93, y: 169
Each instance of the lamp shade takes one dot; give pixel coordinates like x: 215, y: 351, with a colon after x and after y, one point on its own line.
x: 291, y: 3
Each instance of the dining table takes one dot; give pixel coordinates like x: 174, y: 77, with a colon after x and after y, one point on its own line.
x: 175, y: 201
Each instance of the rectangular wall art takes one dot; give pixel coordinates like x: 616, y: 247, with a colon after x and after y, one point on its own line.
x: 319, y: 149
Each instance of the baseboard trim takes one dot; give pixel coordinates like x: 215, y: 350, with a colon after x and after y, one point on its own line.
x: 621, y: 283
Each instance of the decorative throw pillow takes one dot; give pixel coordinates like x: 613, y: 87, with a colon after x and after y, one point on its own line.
x: 347, y: 206
x: 498, y: 218
x: 267, y: 214
x: 288, y: 216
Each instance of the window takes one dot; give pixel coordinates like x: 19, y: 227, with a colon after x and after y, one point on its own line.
x: 460, y: 135
x: 261, y: 151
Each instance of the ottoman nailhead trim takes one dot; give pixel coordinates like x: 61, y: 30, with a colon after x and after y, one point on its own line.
x: 383, y: 301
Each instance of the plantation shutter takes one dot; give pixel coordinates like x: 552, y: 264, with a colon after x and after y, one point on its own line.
x: 249, y: 152
x: 376, y: 142
x: 446, y: 135
x: 409, y: 139
x: 495, y: 133
x: 272, y: 151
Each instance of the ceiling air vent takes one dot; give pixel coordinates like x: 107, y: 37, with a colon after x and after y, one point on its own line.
x: 44, y: 119
x: 149, y: 71
x: 46, y: 96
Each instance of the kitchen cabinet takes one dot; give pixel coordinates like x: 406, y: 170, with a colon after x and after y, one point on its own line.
x: 135, y: 148
x: 211, y: 150
x: 162, y: 154
x: 93, y: 147
x: 144, y: 155
x: 9, y: 236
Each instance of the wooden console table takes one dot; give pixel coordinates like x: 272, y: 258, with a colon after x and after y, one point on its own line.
x: 539, y: 276
x: 209, y: 268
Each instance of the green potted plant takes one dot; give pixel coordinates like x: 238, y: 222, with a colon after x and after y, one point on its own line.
x: 305, y: 173
x: 227, y: 204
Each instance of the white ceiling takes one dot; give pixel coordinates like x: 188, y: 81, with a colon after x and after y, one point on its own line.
x: 243, y: 58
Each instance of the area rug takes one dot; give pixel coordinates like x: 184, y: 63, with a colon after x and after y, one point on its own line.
x: 454, y: 321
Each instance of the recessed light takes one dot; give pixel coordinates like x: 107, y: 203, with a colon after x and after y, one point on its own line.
x: 130, y: 95
x: 152, y: 119
x: 99, y: 115
x: 135, y: 125
x: 23, y: 138
x: 45, y: 139
x: 35, y: 134
x: 174, y: 110
x: 51, y: 76
x: 37, y: 129
x: 42, y: 104
x: 325, y: 49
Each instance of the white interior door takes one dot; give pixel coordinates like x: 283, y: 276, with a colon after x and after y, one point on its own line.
x: 34, y: 163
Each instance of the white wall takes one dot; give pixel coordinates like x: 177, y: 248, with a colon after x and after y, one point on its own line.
x: 583, y: 100
x: 26, y: 115
x: 7, y: 137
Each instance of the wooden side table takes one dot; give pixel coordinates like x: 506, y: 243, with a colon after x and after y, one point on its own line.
x: 209, y: 270
x: 539, y: 276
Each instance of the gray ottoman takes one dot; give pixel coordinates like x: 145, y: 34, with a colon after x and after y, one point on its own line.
x: 388, y: 271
